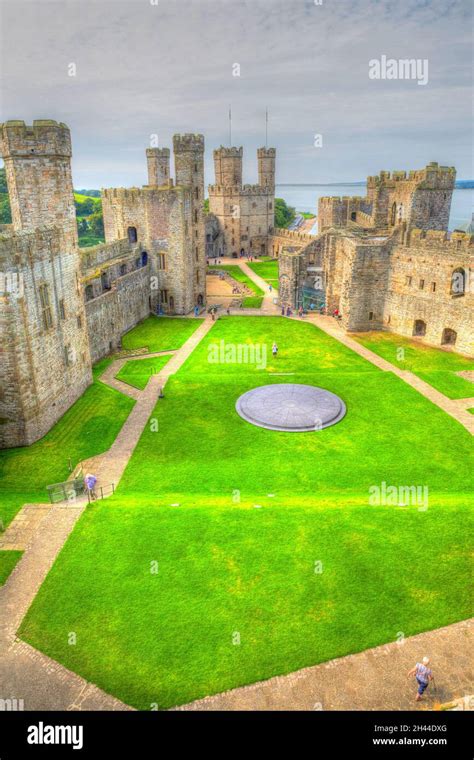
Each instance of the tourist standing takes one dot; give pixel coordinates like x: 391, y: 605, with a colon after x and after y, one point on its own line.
x: 274, y: 349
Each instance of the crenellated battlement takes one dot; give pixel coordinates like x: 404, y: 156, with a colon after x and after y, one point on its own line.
x: 439, y: 239
x: 45, y: 137
x: 120, y: 194
x: 188, y: 142
x: 301, y: 237
x: 233, y: 152
x: 431, y: 173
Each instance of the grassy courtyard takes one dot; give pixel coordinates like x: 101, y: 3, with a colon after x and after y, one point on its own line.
x: 249, y: 302
x: 137, y: 372
x: 230, y: 553
x: 160, y: 333
x: 267, y: 269
x: 433, y: 365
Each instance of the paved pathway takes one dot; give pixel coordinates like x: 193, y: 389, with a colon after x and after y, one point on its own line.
x: 268, y: 307
x: 25, y: 673
x: 450, y: 406
x: 109, y: 375
x: 372, y: 680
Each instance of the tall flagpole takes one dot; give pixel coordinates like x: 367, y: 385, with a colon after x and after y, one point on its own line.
x: 266, y: 127
x: 230, y: 127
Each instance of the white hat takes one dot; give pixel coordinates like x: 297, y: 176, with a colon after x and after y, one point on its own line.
x: 426, y: 660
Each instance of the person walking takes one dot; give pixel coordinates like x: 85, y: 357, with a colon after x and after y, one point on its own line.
x: 283, y: 310
x: 300, y: 311
x: 274, y: 350
x: 423, y: 675
x: 270, y: 288
x: 90, y: 481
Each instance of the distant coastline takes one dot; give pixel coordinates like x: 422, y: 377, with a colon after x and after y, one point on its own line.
x: 460, y: 184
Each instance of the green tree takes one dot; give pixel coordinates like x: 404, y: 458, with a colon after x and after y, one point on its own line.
x: 284, y: 214
x: 96, y: 224
x: 5, y: 211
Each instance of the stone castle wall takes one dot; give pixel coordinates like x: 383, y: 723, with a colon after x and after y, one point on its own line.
x: 45, y: 367
x: 421, y: 199
x: 246, y: 213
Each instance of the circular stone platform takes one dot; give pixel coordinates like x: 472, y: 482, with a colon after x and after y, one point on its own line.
x: 290, y: 407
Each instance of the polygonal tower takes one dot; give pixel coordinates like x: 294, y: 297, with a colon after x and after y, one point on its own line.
x: 189, y: 172
x: 228, y: 166
x: 38, y: 171
x: 158, y: 162
x: 266, y: 168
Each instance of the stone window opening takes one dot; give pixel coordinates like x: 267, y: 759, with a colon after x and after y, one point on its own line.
x: 458, y: 282
x: 45, y: 307
x: 62, y: 311
x: 371, y: 315
x: 67, y: 355
x: 132, y: 234
x: 195, y: 216
x: 164, y: 296
x: 449, y: 337
x: 393, y: 216
x: 104, y: 281
x: 353, y: 216
x: 79, y: 321
x: 196, y: 193
x: 161, y: 261
x: 89, y: 293
x: 197, y: 253
x: 408, y: 279
x: 422, y: 284
x: 419, y: 328
x: 433, y: 287
x: 123, y: 269
x: 171, y: 303
x: 144, y: 259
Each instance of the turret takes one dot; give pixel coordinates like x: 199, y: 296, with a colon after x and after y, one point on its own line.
x: 38, y: 171
x: 158, y: 162
x: 228, y: 166
x: 266, y: 167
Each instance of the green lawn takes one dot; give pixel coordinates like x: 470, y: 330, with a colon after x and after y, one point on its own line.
x: 8, y: 560
x: 238, y: 519
x: 268, y: 270
x: 433, y: 365
x: 89, y: 427
x: 249, y: 302
x: 160, y: 333
x: 137, y: 372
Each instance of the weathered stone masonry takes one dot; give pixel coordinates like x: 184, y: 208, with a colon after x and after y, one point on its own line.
x: 379, y: 269
x: 72, y: 306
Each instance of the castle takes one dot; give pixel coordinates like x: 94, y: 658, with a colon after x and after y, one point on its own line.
x: 385, y: 261
x: 241, y: 216
x: 63, y: 308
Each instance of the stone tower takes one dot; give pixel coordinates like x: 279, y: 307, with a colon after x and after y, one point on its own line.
x: 38, y: 171
x: 189, y: 172
x: 266, y: 168
x: 158, y: 161
x: 228, y: 166
x: 45, y: 345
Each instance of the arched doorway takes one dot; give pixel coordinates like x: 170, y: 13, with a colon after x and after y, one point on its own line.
x: 200, y: 299
x: 419, y: 328
x: 171, y: 303
x: 449, y: 337
x: 132, y: 234
x: 144, y: 259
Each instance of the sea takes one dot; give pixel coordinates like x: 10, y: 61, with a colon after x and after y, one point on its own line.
x: 305, y: 198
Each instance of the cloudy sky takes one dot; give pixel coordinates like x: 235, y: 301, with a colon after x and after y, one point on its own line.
x: 147, y: 67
